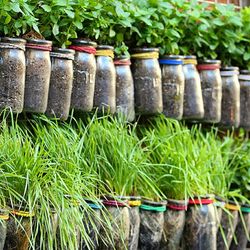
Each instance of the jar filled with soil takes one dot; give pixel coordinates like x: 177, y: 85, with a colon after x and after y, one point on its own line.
x: 82, y: 97
x: 134, y: 217
x: 105, y: 82
x: 228, y: 225
x: 4, y: 217
x: 211, y: 85
x: 244, y: 80
x: 151, y: 224
x: 193, y: 101
x: 12, y: 77
x: 118, y: 210
x: 219, y: 205
x: 19, y: 228
x: 37, y: 79
x: 50, y: 235
x: 242, y: 229
x: 174, y: 221
x: 91, y: 222
x: 61, y: 81
x: 230, y: 108
x: 124, y: 88
x: 200, y: 226
x: 172, y: 86
x: 147, y: 80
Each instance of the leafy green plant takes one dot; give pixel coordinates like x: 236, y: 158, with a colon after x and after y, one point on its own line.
x: 17, y: 18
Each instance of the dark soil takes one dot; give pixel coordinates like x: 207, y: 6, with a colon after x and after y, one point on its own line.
x: 90, y: 230
x: 38, y: 68
x: 211, y: 84
x: 228, y: 225
x: 82, y: 97
x: 3, y: 232
x: 125, y: 92
x: 134, y: 216
x: 173, y: 91
x: 148, y: 87
x: 193, y: 101
x: 230, y: 109
x: 174, y: 222
x: 151, y: 230
x: 200, y: 228
x: 120, y: 233
x: 12, y: 79
x: 60, y: 88
x: 18, y: 233
x: 240, y: 233
x: 245, y: 104
x: 105, y: 85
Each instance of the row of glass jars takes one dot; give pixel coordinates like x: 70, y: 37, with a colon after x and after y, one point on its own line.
x: 85, y: 76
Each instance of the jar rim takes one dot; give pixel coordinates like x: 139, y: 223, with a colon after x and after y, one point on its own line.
x: 145, y: 50
x: 39, y: 41
x: 13, y: 40
x: 104, y: 47
x: 122, y: 57
x: 154, y: 203
x: 245, y: 72
x: 173, y: 57
x: 83, y: 42
x: 189, y: 57
x: 209, y: 61
x: 230, y: 68
x: 64, y: 51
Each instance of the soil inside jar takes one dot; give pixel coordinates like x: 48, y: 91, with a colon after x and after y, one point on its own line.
x: 245, y: 102
x: 174, y: 221
x: 12, y: 79
x: 3, y: 232
x: 105, y: 89
x: 37, y: 80
x: 134, y: 215
x: 200, y: 228
x: 173, y: 91
x: 18, y: 233
x: 61, y: 81
x: 212, y: 94
x: 240, y: 233
x: 228, y: 225
x: 193, y: 101
x: 95, y: 217
x: 148, y: 87
x: 125, y: 92
x: 120, y: 224
x: 84, y: 82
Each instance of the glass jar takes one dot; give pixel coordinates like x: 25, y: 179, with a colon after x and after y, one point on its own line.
x: 244, y: 80
x: 230, y: 108
x: 84, y: 75
x: 147, y: 80
x: 105, y: 82
x: 200, y: 225
x: 124, y: 88
x: 151, y: 224
x: 211, y: 85
x: 61, y: 81
x: 38, y: 69
x: 12, y: 77
x: 193, y: 102
x: 172, y: 86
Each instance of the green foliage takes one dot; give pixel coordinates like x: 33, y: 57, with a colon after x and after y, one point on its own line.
x: 176, y: 26
x: 17, y: 17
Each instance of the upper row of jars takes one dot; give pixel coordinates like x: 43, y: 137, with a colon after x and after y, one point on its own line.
x: 34, y: 79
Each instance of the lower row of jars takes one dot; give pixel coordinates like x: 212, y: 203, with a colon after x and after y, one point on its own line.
x: 168, y: 225
x: 34, y: 79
